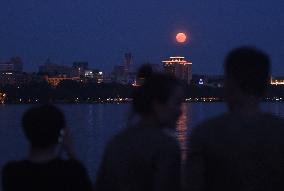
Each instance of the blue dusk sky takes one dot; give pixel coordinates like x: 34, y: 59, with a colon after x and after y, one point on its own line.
x: 101, y: 31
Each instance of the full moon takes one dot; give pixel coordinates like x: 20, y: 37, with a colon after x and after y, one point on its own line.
x: 181, y: 37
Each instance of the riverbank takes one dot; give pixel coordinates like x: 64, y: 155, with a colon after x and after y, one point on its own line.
x: 125, y: 100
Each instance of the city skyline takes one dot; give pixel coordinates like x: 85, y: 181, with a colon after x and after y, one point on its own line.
x: 101, y: 32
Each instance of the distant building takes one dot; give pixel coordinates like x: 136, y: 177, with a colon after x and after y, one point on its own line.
x: 14, y: 78
x: 128, y: 62
x: 179, y: 67
x: 107, y: 79
x: 276, y: 81
x: 80, y: 68
x: 89, y: 74
x: 156, y: 67
x: 131, y: 78
x: 119, y: 75
x: 52, y: 69
x: 199, y: 80
x: 2, y: 97
x: 124, y: 73
x: 15, y: 64
x: 54, y: 81
x: 214, y: 81
x: 99, y: 76
x: 94, y: 76
x: 11, y: 72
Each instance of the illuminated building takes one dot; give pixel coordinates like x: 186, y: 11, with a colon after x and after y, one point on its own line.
x: 80, y: 68
x: 94, y: 76
x: 99, y: 77
x: 2, y: 97
x: 7, y: 78
x: 14, y: 78
x: 54, y: 81
x: 214, y: 81
x: 89, y: 74
x: 276, y: 82
x: 11, y: 73
x: 179, y: 67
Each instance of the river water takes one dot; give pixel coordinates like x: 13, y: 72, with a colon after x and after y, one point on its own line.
x: 92, y: 125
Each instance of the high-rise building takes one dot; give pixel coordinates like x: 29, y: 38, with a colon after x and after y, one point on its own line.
x: 179, y: 67
x: 94, y: 76
x: 11, y: 72
x: 128, y: 59
x: 14, y: 78
x: 80, y: 68
x: 15, y: 64
x: 118, y: 74
x: 52, y: 69
x: 124, y: 74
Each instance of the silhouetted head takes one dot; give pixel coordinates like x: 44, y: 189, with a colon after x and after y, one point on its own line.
x: 247, y: 72
x: 145, y: 71
x: 160, y: 97
x: 42, y: 125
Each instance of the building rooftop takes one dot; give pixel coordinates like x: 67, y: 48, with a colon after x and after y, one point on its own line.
x: 177, y: 59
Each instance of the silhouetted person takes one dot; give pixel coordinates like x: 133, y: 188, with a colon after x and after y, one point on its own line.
x: 146, y: 156
x: 244, y: 148
x: 145, y: 71
x: 44, y: 127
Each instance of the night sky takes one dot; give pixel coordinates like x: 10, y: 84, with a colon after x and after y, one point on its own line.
x: 101, y: 31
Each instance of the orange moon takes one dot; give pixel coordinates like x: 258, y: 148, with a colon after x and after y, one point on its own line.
x: 181, y: 37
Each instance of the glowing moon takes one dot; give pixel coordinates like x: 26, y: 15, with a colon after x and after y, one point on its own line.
x: 181, y: 37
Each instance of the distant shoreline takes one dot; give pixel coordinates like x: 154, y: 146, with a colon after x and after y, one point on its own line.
x: 129, y: 100
x: 69, y: 93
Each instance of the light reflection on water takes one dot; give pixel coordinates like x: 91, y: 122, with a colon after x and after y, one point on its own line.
x: 92, y: 126
x: 182, y: 129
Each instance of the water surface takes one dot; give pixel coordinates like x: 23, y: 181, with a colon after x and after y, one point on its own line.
x: 92, y: 125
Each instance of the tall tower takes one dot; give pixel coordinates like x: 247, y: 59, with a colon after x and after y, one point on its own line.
x: 128, y: 61
x: 179, y: 67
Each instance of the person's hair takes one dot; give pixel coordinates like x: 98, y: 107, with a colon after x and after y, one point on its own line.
x: 249, y: 69
x: 145, y: 71
x: 42, y: 125
x: 157, y: 88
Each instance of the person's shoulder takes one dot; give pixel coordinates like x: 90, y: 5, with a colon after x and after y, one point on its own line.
x: 9, y: 166
x: 217, y: 121
x: 70, y: 166
x: 70, y: 163
x: 272, y: 119
x: 14, y: 166
x: 74, y: 172
x: 135, y: 134
x: 122, y: 136
x: 141, y: 137
x: 210, y: 127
